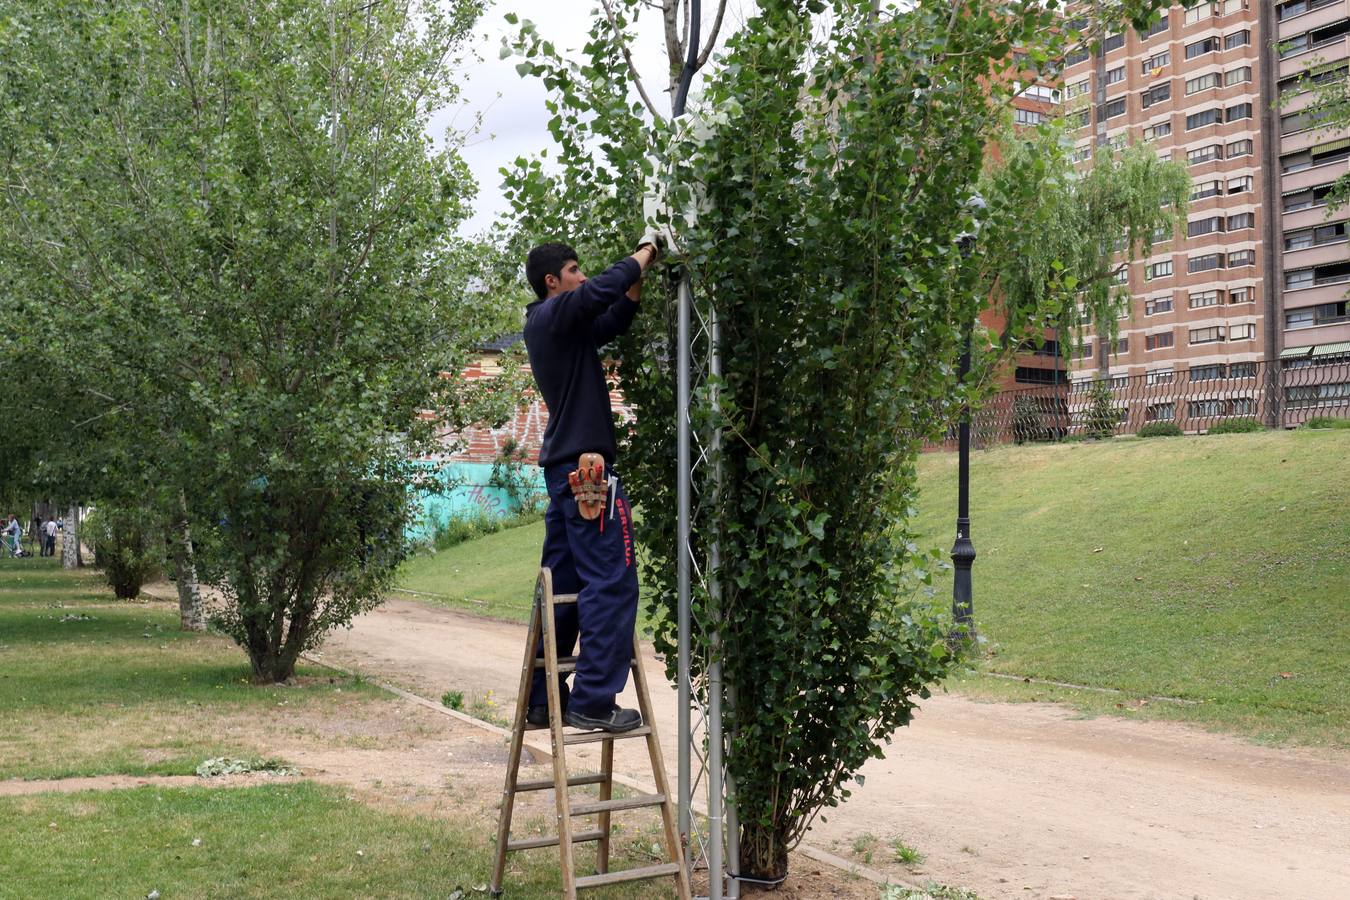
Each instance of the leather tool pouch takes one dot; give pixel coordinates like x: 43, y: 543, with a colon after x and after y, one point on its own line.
x: 590, y: 485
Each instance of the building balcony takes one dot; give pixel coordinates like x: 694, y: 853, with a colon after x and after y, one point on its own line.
x: 1317, y: 334
x: 1328, y: 52
x: 1316, y: 256
x: 1304, y: 218
x: 1296, y: 25
x: 1315, y: 296
x: 1311, y: 177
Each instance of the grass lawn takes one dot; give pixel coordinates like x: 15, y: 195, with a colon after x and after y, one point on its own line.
x: 1211, y: 569
x: 90, y: 685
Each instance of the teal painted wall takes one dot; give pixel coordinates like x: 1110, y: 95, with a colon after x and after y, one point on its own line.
x: 471, y: 496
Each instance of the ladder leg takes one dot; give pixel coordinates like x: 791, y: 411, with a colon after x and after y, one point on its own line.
x: 517, y: 742
x: 606, y: 793
x: 673, y: 849
x: 555, y: 721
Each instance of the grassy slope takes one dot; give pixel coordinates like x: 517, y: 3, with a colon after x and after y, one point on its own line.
x: 1223, y: 568
x: 1207, y: 568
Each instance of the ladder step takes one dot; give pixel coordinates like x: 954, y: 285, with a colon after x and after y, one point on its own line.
x: 592, y: 737
x: 569, y: 663
x: 564, y: 598
x: 536, y: 843
x: 565, y: 663
x: 639, y: 802
x: 544, y: 784
x: 590, y: 881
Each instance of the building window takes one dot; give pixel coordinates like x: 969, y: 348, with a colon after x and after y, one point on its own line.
x: 1113, y: 42
x: 1206, y: 189
x: 1161, y: 376
x: 1332, y: 273
x: 1299, y: 7
x: 1205, y: 373
x: 1161, y: 412
x: 1201, y: 299
x: 1153, y: 132
x: 1201, y: 119
x: 1299, y: 318
x: 1158, y: 305
x: 1028, y: 116
x: 1122, y: 274
x: 1316, y: 236
x: 1158, y: 61
x: 1232, y: 6
x: 1158, y: 270
x: 1116, y: 75
x: 1238, y: 148
x: 1204, y: 154
x: 1200, y: 48
x: 1198, y: 12
x: 1157, y: 27
x: 1239, y: 295
x: 1240, y: 185
x: 1204, y: 263
x: 1156, y: 95
x: 1206, y: 335
x: 1238, y: 75
x: 1209, y: 225
x: 1241, y: 220
x: 1242, y: 370
x: 1239, y: 258
x: 1114, y: 108
x: 1122, y: 346
x: 1237, y: 39
x: 1077, y: 89
x: 1315, y: 394
x: 1298, y: 279
x: 1077, y: 120
x: 1242, y: 406
x: 1307, y: 198
x: 1238, y: 111
x: 1202, y: 83
x: 1241, y: 333
x: 1031, y: 375
x: 1158, y: 341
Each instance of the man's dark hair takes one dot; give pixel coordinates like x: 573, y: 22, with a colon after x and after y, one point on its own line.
x: 547, y: 259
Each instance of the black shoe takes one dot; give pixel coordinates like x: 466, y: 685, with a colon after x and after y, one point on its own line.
x: 616, y: 721
x: 537, y: 716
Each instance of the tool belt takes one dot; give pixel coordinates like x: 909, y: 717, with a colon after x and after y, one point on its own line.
x: 590, y: 486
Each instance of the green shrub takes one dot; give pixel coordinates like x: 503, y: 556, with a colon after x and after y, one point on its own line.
x: 1102, y: 414
x: 1027, y: 422
x: 480, y: 524
x: 1160, y: 429
x: 1237, y: 426
x: 1326, y: 422
x: 128, y: 546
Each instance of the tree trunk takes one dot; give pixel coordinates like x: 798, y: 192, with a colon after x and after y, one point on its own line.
x: 70, y: 539
x: 185, y: 573
x: 764, y: 852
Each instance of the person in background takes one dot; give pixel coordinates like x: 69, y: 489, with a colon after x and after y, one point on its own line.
x: 49, y: 537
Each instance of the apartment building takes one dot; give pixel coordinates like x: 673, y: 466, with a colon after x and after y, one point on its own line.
x: 1258, y: 272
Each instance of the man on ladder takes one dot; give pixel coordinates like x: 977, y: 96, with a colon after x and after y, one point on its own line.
x: 588, y: 541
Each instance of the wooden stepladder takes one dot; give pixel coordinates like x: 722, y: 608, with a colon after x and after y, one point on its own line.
x: 541, y: 624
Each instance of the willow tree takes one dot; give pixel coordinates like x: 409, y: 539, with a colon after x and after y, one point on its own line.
x: 819, y: 199
x: 233, y: 216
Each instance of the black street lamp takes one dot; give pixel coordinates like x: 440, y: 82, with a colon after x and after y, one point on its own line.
x: 963, y: 551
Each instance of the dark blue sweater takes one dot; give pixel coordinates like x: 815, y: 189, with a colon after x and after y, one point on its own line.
x: 563, y: 335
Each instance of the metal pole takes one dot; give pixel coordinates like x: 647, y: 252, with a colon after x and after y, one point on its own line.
x: 716, y: 866
x: 682, y: 487
x: 963, y: 551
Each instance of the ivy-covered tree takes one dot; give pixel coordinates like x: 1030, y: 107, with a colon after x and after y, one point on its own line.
x: 819, y: 198
x: 230, y: 222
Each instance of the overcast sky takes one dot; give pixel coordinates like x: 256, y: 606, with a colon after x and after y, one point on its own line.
x: 514, y: 123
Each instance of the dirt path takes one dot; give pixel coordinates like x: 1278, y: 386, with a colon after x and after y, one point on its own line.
x: 1009, y: 800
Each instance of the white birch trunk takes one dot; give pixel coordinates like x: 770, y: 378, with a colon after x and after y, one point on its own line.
x: 70, y: 539
x: 185, y: 573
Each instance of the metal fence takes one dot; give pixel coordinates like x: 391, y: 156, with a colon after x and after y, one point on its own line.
x: 1279, y: 393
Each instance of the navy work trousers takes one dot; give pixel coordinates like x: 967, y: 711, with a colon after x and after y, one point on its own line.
x: 600, y: 568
